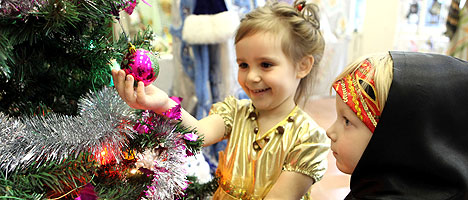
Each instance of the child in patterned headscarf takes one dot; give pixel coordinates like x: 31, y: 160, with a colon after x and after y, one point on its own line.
x: 400, y: 128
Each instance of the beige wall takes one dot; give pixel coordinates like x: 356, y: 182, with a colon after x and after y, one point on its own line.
x: 379, y: 29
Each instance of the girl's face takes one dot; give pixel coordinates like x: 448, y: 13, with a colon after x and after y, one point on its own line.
x: 349, y: 137
x: 265, y: 73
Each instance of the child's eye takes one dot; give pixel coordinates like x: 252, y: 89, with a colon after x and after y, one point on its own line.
x: 347, y: 122
x: 266, y: 65
x: 243, y: 65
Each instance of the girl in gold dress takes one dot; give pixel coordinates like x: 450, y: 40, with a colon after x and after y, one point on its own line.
x: 274, y: 150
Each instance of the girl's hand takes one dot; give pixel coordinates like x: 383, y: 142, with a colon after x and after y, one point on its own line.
x: 152, y: 98
x: 145, y: 98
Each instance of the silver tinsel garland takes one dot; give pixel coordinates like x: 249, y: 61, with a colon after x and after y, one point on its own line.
x: 169, y: 178
x: 103, y: 124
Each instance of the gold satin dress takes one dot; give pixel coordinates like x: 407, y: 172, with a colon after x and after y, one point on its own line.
x: 251, y: 163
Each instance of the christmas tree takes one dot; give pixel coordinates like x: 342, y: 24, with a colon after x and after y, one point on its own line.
x: 64, y: 132
x: 53, y: 52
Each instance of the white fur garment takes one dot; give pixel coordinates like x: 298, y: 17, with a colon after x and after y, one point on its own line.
x: 210, y: 29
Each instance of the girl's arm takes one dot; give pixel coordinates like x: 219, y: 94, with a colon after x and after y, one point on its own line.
x: 211, y: 127
x: 153, y: 98
x: 296, y: 185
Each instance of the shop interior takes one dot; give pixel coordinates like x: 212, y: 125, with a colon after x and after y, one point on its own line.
x: 351, y: 28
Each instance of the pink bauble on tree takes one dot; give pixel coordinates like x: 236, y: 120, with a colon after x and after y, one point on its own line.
x: 141, y: 64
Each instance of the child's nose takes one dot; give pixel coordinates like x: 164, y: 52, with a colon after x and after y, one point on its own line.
x: 254, y: 76
x: 331, y: 132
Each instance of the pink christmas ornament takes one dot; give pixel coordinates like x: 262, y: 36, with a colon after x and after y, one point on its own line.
x: 141, y: 64
x: 130, y: 6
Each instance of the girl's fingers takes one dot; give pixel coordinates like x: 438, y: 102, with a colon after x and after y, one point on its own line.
x: 129, y: 90
x: 124, y: 85
x: 119, y: 83
x: 141, y: 94
x: 114, y: 74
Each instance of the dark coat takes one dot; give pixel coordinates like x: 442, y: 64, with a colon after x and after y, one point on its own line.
x: 419, y: 149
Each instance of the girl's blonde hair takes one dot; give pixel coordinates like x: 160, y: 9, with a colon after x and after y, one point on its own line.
x: 383, y: 74
x: 298, y: 32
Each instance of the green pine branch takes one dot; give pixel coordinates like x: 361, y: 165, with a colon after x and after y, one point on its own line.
x: 49, y: 179
x: 131, y: 188
x: 200, y: 191
x: 192, y: 146
x: 59, y: 53
x: 5, y: 55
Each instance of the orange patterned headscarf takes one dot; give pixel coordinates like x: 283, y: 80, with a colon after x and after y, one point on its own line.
x: 362, y: 102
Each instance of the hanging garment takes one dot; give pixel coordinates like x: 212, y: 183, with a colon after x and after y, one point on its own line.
x: 208, y: 31
x: 209, y: 25
x: 419, y: 147
x: 242, y: 6
x: 452, y: 18
x: 183, y: 56
x: 435, y: 8
x: 459, y: 42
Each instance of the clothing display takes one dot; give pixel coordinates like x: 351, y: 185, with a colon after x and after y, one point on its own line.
x: 418, y: 149
x: 458, y: 42
x: 205, y: 27
x: 251, y: 162
x: 208, y: 57
x: 452, y: 18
